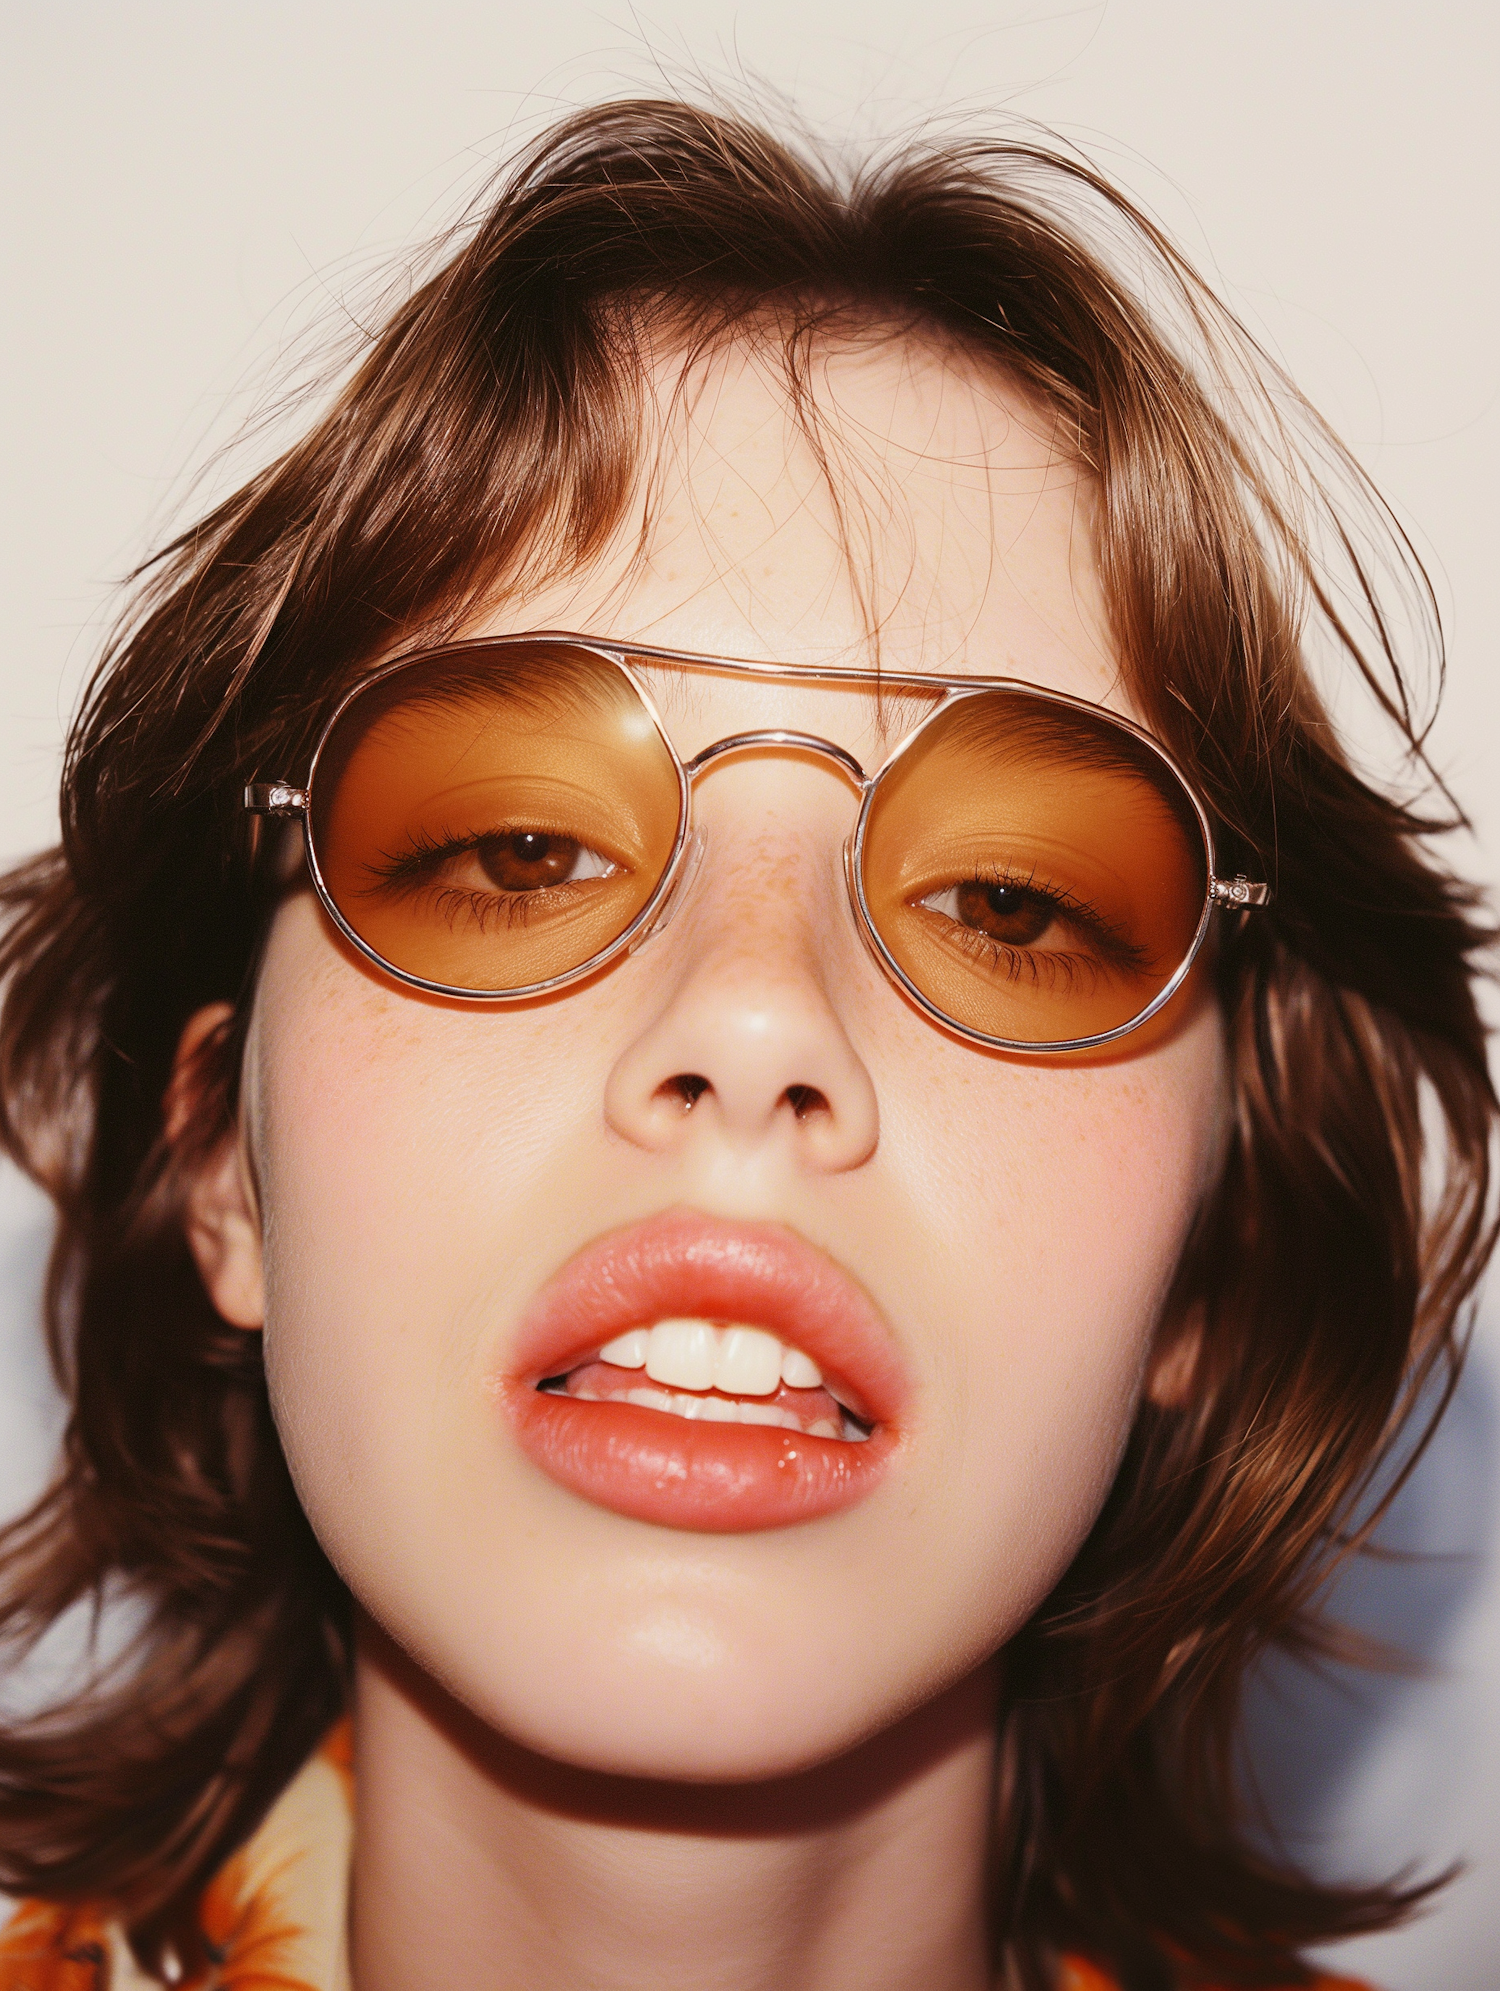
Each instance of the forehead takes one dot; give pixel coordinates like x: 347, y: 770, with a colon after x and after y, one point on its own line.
x: 892, y: 503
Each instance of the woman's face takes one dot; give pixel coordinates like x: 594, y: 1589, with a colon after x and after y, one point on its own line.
x: 750, y: 1089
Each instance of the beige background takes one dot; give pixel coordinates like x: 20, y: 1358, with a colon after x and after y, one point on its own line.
x: 192, y: 187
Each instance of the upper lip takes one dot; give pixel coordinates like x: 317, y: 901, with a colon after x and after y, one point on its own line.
x: 685, y: 1263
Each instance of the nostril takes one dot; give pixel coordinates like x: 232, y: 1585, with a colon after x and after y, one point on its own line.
x: 805, y: 1100
x: 686, y: 1088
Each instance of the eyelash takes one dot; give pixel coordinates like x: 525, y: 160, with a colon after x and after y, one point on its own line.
x: 1045, y: 968
x: 1017, y: 962
x: 409, y: 871
x: 452, y: 904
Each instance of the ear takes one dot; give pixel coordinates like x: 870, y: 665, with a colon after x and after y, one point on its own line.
x: 221, y: 1211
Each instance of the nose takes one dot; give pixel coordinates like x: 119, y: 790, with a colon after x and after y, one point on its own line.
x: 743, y: 1043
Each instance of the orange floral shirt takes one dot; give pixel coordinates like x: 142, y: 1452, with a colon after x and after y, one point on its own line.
x: 275, y: 1914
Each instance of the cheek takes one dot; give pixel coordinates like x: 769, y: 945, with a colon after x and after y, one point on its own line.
x: 1056, y: 1201
x: 390, y: 1141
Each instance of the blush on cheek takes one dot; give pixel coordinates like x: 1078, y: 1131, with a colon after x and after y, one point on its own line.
x: 1104, y: 1170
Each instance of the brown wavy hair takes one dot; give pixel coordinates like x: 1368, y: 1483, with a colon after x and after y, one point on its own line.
x: 488, y: 433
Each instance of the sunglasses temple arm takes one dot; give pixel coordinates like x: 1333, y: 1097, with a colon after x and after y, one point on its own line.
x: 1239, y: 893
x: 275, y: 798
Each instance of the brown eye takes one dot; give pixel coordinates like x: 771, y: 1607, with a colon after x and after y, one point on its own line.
x: 1008, y: 913
x: 528, y: 861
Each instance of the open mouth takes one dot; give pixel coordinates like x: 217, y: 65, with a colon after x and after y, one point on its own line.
x: 713, y: 1373
x: 702, y: 1374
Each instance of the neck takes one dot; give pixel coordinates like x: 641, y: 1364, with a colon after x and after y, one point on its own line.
x: 475, y: 1858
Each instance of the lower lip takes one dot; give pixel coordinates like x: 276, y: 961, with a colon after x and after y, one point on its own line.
x: 722, y: 1479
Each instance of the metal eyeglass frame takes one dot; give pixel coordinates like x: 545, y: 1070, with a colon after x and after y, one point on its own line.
x: 282, y: 798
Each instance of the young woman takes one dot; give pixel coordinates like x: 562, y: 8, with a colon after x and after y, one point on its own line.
x: 756, y: 1140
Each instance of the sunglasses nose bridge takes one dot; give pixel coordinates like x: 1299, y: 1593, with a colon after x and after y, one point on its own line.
x: 687, y: 867
x: 813, y: 743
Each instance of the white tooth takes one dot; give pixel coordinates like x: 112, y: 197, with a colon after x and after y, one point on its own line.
x: 681, y: 1352
x: 799, y: 1371
x: 854, y: 1431
x: 650, y: 1399
x: 747, y: 1362
x: 584, y: 1396
x: 760, y: 1413
x: 824, y: 1428
x: 626, y: 1351
x: 714, y: 1410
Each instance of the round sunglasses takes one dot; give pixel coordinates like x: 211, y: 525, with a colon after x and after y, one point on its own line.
x: 497, y: 819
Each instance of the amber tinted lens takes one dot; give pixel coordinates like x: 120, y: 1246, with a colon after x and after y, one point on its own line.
x: 1037, y: 873
x: 491, y: 819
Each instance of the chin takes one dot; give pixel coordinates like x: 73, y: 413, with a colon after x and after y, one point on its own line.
x: 701, y: 1711
x: 695, y: 1667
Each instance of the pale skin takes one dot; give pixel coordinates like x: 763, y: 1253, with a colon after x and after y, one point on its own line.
x: 594, y: 1752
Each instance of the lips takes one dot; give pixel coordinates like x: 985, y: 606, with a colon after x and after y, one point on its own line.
x: 708, y: 1476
